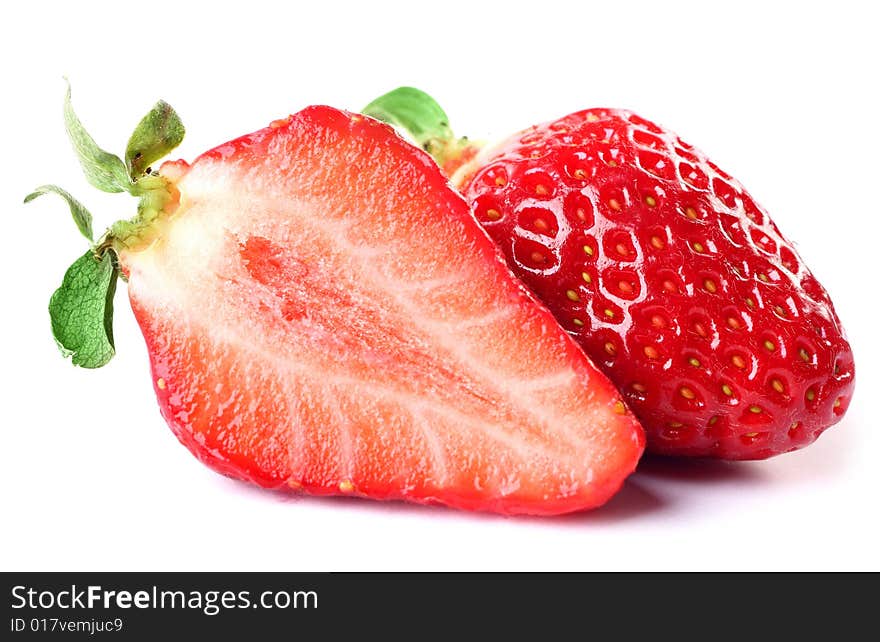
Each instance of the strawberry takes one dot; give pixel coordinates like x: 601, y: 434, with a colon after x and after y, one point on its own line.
x: 323, y: 314
x: 666, y: 271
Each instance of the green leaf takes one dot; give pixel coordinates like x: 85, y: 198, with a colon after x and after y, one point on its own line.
x: 423, y: 119
x: 158, y: 133
x: 81, y: 215
x: 102, y: 169
x: 414, y: 111
x: 82, y: 310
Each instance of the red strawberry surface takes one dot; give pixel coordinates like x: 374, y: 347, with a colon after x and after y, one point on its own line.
x: 323, y: 314
x: 671, y: 277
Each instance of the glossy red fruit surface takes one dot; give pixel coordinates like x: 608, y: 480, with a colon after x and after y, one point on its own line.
x: 672, y: 278
x: 322, y: 313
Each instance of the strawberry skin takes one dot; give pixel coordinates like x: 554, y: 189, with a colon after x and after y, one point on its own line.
x: 673, y: 280
x: 323, y: 314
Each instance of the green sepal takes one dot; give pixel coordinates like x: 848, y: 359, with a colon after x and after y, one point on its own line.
x: 104, y: 170
x: 81, y: 216
x: 160, y: 131
x: 82, y: 310
x: 424, y: 121
x: 414, y: 111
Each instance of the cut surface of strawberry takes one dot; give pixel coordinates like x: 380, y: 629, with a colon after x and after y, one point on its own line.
x: 322, y: 314
x: 669, y: 275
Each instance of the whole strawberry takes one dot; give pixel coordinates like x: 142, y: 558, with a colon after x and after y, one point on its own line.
x: 667, y: 272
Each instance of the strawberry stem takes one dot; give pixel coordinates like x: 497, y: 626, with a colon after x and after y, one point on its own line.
x: 423, y: 119
x: 156, y: 197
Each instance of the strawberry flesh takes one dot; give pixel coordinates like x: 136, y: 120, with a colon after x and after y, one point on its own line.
x: 673, y: 280
x: 323, y: 314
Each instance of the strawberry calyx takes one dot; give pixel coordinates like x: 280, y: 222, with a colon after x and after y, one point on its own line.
x: 81, y: 309
x: 421, y: 118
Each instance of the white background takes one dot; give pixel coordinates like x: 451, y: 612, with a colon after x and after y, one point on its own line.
x: 781, y: 96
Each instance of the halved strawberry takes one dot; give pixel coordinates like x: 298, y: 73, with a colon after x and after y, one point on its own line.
x: 322, y: 313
